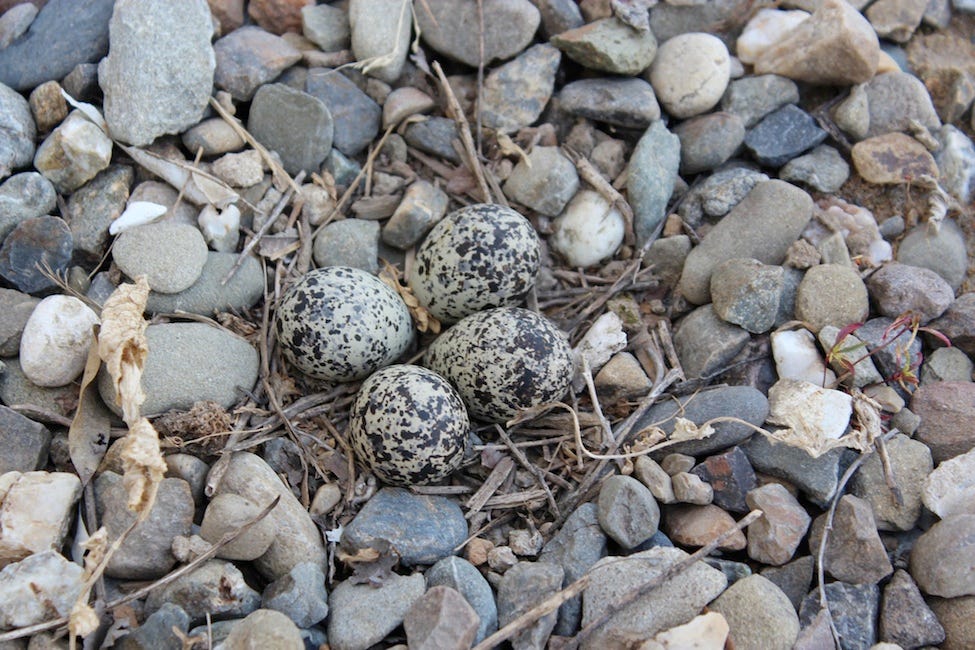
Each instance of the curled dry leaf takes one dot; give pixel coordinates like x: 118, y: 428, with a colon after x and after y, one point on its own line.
x: 422, y: 318
x: 143, y: 464
x: 197, y: 186
x: 82, y: 620
x: 122, y: 345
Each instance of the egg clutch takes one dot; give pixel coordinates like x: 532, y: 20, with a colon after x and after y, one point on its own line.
x: 409, y: 424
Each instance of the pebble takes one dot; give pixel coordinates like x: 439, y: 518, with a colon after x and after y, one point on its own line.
x: 816, y: 415
x: 627, y: 511
x: 362, y: 614
x: 608, y: 45
x: 165, y: 195
x: 588, y: 230
x: 958, y: 323
x: 946, y: 364
x: 300, y: 595
x: 910, y: 461
x: 404, y: 102
x: 854, y: 551
x: 956, y: 162
x: 896, y: 20
x: 145, y: 554
x: 898, y: 288
x: 892, y: 159
x: 18, y: 132
x: 622, y: 378
x: 759, y: 615
x: 544, y: 181
x: 93, y: 208
x: 956, y: 615
x: 57, y: 41
x: 423, y: 205
x: 943, y: 62
x: 460, y: 575
x: 173, y: 378
x: 150, y: 41
x: 763, y: 30
x: 239, y: 169
x: 264, y: 628
x: 762, y: 226
x: 949, y: 489
x: 754, y: 97
x: 943, y: 561
x: 170, y: 255
x: 794, y: 578
x: 853, y: 609
x: 37, y: 587
x: 298, y: 538
x: 73, y: 153
x: 719, y: 193
x: 822, y: 169
x: 434, y: 136
x: 213, y: 136
x: 33, y: 243
x: 522, y: 587
x: 24, y: 196
x: 450, y: 28
x: 516, y: 93
x: 651, y: 474
x: 705, y: 343
x: 27, y: 528
x: 905, y: 619
x: 423, y: 529
x: 296, y: 125
x: 945, y: 409
x: 797, y: 357
x: 216, y: 587
x: 697, y: 525
x: 15, y: 21
x: 730, y: 476
x: 208, y: 296
x: 48, y: 105
x: 667, y: 256
x: 675, y: 602
x: 15, y: 310
x: 815, y: 476
x: 349, y: 242
x: 783, y: 135
x: 228, y: 512
x: 381, y: 30
x: 441, y: 618
x: 774, y: 538
x: 746, y: 292
x: 15, y: 388
x: 690, y: 488
x: 942, y: 250
x: 356, y: 117
x: 895, y: 100
x: 690, y: 73
x: 651, y: 176
x: 707, y: 141
x: 277, y: 16
x: 629, y: 103
x: 831, y: 294
x: 158, y: 630
x: 327, y: 27
x: 249, y: 57
x: 835, y: 46
x: 55, y: 341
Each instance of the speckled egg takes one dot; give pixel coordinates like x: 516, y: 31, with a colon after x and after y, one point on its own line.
x: 408, y: 425
x: 340, y: 324
x: 475, y: 258
x: 503, y: 360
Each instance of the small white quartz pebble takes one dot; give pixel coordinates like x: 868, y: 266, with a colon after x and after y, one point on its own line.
x: 221, y: 229
x: 797, y: 357
x: 56, y: 338
x: 764, y: 30
x: 588, y: 230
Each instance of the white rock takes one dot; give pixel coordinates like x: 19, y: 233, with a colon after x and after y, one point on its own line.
x: 221, y: 228
x: 604, y: 339
x: 813, y: 412
x: 28, y: 524
x: 705, y: 632
x: 851, y: 351
x: 764, y: 30
x: 56, y: 338
x: 797, y: 357
x: 950, y: 488
x: 690, y: 73
x: 588, y: 230
x: 137, y: 213
x: 37, y: 589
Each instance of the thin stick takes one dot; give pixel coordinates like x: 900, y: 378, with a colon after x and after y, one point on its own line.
x: 534, y: 471
x: 490, y: 486
x: 455, y: 111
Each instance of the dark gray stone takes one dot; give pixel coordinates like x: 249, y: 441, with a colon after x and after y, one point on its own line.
x: 707, y: 141
x: 755, y: 96
x: 25, y: 442
x: 516, y: 93
x: 719, y: 193
x: 627, y: 511
x: 853, y: 608
x: 15, y: 309
x: 295, y: 124
x: 522, y: 587
x: 156, y: 632
x: 363, y: 614
x: 705, y: 343
x: 626, y: 102
x: 423, y: 529
x: 300, y: 595
x: 822, y: 169
x: 355, y: 115
x: 817, y: 478
x: 208, y: 295
x: 94, y: 206
x: 434, y: 136
x: 64, y: 34
x: 794, y: 578
x: 730, y: 476
x: 558, y: 16
x: 24, y: 196
x: 905, y: 619
x: 747, y: 293
x: 958, y: 323
x: 32, y: 245
x: 248, y: 58
x: 891, y: 350
x: 349, y: 242
x: 782, y: 135
x: 651, y: 177
x: 457, y: 573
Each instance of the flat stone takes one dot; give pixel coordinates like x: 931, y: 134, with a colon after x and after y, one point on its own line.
x: 854, y: 552
x: 892, y: 159
x: 558, y: 16
x: 355, y: 115
x: 434, y: 136
x: 362, y: 614
x: 697, y: 525
x: 945, y: 409
x: 910, y: 461
x: 15, y: 309
x: 774, y: 538
x: 746, y: 292
x: 675, y: 602
x: 946, y: 364
x: 228, y: 512
x: 37, y: 587
x: 73, y: 154
x: 450, y: 27
x: 216, y: 587
x: 942, y: 250
x: 651, y: 175
x: 783, y: 135
x: 32, y: 245
x: 719, y: 193
x: 705, y: 343
x: 816, y: 476
x: 627, y: 511
x: 239, y: 169
x: 822, y: 169
x: 264, y: 628
x: 608, y: 45
x: 296, y: 125
x: 707, y: 141
x: 731, y: 477
x: 949, y: 489
x: 853, y: 609
x: 145, y: 554
x: 300, y: 595
x: 943, y: 561
x: 668, y: 20
x: 759, y: 615
x: 150, y: 41
x: 95, y: 205
x: 516, y: 93
x: 622, y: 378
x: 755, y: 96
x: 15, y: 21
x: 834, y: 46
x: 626, y: 102
x: 25, y: 196
x: 690, y: 73
x: 423, y: 205
x: 422, y: 529
x: 460, y: 575
x: 248, y: 58
x: 905, y: 619
x: 327, y: 27
x: 895, y: 100
x: 170, y: 255
x: 208, y: 296
x: 349, y: 242
x: 958, y: 323
x: 762, y: 226
x: 16, y: 388
x: 441, y: 618
x: 381, y: 33
x: 544, y: 182
x: 522, y: 587
x: 157, y: 631
x: 831, y: 294
x: 59, y: 39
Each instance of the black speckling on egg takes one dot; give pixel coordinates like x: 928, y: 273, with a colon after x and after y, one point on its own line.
x: 408, y: 425
x: 340, y: 324
x: 503, y: 360
x: 478, y: 257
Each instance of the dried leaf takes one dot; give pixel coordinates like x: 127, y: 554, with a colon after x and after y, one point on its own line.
x: 510, y: 148
x: 684, y: 430
x: 95, y: 548
x: 422, y: 318
x: 90, y: 111
x: 143, y: 464
x: 89, y: 432
x: 197, y: 186
x: 83, y: 620
x: 122, y: 345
